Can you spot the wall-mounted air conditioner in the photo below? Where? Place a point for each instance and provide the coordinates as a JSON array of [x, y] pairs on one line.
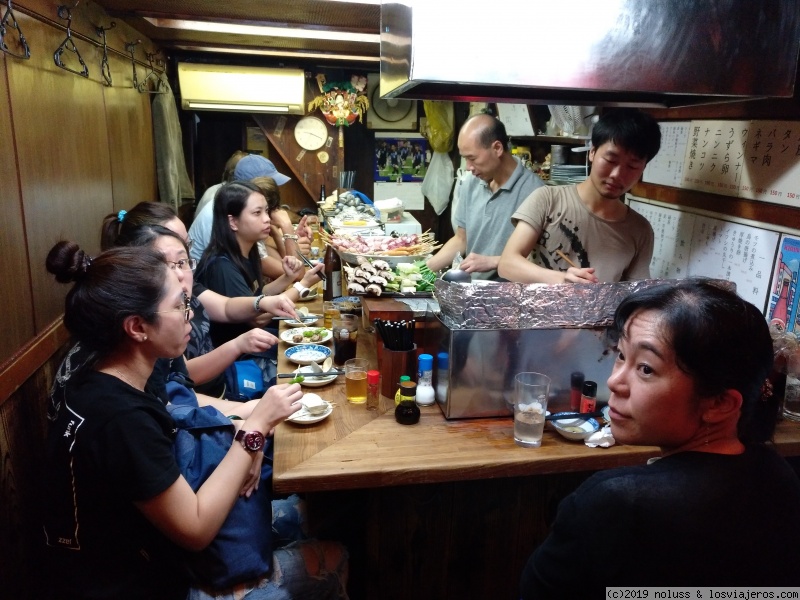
[[245, 89]]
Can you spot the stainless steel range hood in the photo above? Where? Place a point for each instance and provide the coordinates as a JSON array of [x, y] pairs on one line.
[[596, 52]]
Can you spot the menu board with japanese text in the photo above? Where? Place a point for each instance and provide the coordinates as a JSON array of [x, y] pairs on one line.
[[715, 156], [688, 244], [756, 160], [666, 168], [772, 163]]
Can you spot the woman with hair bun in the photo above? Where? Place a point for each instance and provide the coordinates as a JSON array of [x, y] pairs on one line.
[[118, 512], [719, 507]]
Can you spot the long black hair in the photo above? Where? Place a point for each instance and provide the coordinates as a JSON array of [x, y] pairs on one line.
[[231, 200]]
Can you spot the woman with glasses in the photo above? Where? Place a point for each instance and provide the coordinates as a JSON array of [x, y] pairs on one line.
[[118, 509], [151, 224], [231, 264]]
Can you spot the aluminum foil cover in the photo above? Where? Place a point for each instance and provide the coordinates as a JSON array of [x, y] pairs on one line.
[[493, 305]]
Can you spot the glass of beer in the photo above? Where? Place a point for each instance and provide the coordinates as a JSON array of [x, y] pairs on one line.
[[345, 338], [329, 312], [355, 380]]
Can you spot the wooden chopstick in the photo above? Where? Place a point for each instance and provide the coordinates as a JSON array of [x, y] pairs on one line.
[[311, 265], [566, 258]]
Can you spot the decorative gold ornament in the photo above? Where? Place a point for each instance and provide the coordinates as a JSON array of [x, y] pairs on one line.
[[341, 103]]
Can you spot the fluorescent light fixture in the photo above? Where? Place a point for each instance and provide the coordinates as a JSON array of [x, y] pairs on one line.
[[282, 53], [237, 107], [265, 30]]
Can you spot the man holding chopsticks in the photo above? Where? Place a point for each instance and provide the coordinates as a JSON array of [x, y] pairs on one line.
[[585, 233]]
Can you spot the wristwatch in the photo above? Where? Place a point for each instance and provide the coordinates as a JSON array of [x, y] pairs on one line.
[[290, 236], [252, 441], [301, 289]]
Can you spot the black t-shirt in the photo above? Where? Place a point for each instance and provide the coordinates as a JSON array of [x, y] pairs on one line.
[[219, 274], [108, 446], [689, 519]]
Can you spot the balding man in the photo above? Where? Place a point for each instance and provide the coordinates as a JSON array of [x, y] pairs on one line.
[[496, 186]]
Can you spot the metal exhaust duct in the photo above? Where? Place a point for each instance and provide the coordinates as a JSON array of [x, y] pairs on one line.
[[656, 53]]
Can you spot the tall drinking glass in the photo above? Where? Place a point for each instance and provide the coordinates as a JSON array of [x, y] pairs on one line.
[[330, 311], [530, 405], [355, 380], [345, 338]]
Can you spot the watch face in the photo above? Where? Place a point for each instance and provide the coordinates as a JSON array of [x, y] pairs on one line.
[[311, 133], [251, 440]]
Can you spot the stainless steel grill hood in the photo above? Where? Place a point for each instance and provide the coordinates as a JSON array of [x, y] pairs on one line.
[[596, 52]]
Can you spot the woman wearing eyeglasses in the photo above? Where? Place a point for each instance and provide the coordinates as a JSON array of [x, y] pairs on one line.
[[156, 224], [118, 508]]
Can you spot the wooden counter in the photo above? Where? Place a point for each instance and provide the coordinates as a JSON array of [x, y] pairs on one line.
[[441, 509], [357, 448]]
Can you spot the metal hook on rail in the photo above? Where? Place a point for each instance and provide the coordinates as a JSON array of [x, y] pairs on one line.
[[105, 70], [10, 21]]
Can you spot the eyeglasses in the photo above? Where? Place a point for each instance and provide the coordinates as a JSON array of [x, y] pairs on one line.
[[186, 308], [185, 264]]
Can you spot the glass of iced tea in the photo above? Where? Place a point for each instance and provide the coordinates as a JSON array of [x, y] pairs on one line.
[[355, 380], [345, 338], [329, 312]]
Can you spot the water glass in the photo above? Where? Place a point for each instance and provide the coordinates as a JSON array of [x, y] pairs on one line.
[[791, 398], [355, 380], [530, 407]]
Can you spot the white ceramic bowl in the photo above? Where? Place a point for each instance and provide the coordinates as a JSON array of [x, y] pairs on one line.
[[305, 354], [575, 430]]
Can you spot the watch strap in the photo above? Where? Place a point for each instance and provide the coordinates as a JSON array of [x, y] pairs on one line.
[[301, 289]]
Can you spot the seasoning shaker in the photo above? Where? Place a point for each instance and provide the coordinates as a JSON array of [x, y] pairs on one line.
[[589, 397], [373, 390]]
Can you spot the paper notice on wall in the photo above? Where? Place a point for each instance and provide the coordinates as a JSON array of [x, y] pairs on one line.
[[783, 301], [772, 163], [715, 156], [666, 168], [688, 244]]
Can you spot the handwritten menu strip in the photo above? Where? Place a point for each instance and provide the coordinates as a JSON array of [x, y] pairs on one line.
[[757, 160], [783, 301], [688, 244], [772, 163], [715, 156], [666, 168]]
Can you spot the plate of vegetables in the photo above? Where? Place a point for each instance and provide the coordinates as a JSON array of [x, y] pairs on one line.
[[306, 335]]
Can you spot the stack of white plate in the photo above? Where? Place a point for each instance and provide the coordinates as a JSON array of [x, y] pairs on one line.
[[567, 173]]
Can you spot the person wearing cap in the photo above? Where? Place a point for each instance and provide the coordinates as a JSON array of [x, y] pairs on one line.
[[247, 168]]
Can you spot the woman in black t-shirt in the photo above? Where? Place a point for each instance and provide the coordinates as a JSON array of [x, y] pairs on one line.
[[117, 506]]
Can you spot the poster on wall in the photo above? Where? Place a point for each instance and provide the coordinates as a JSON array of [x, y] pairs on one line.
[[400, 163], [783, 300]]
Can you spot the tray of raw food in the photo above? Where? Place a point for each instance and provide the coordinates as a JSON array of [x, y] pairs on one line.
[[378, 278], [406, 248]]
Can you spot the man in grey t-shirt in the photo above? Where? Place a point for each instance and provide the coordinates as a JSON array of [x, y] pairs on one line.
[[496, 186]]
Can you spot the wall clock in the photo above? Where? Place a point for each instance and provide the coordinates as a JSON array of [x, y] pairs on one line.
[[311, 133]]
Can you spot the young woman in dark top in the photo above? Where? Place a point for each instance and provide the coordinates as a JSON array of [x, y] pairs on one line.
[[151, 224], [719, 507], [118, 505], [231, 265]]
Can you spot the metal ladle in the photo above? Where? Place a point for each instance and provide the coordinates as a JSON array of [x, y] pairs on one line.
[[457, 276]]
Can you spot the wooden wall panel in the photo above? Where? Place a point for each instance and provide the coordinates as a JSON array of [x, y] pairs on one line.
[[130, 138], [63, 154], [15, 293]]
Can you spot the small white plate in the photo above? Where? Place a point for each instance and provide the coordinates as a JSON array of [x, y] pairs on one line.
[[305, 354], [287, 335], [306, 419], [304, 323], [313, 382]]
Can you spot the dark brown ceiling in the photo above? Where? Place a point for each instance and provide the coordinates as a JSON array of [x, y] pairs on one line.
[[319, 14]]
